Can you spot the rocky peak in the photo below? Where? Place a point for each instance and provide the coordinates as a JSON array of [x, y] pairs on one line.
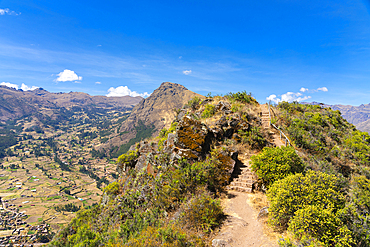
[[158, 108]]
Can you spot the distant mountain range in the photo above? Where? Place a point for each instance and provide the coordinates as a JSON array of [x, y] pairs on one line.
[[47, 110], [17, 103], [357, 115]]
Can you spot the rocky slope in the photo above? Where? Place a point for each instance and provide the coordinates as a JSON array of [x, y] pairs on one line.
[[169, 185], [157, 111], [17, 103]]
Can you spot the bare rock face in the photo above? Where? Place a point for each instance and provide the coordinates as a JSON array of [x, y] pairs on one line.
[[228, 158], [158, 108], [192, 138]]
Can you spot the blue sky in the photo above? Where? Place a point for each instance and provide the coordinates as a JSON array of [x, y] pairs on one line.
[[280, 50]]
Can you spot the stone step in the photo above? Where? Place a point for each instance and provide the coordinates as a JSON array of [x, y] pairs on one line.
[[236, 183], [241, 184], [248, 173], [247, 181], [241, 189], [249, 176]]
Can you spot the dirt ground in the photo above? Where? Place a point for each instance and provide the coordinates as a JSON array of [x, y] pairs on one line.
[[242, 228]]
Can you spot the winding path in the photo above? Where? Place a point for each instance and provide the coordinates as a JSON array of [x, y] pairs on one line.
[[241, 227]]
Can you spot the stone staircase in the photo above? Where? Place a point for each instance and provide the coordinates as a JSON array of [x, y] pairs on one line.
[[265, 117], [244, 182]]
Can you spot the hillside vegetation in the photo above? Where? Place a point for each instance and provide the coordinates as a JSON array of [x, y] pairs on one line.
[[169, 189]]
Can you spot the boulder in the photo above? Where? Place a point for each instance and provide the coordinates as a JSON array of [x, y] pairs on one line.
[[206, 101], [228, 158], [223, 106], [220, 243], [193, 135]]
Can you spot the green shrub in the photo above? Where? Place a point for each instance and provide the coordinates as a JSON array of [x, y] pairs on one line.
[[253, 137], [163, 134], [167, 236], [243, 97], [85, 237], [235, 107], [358, 145], [276, 163], [356, 213], [112, 188], [194, 103], [209, 111], [213, 173], [305, 242], [127, 160], [298, 191], [204, 212], [321, 223]]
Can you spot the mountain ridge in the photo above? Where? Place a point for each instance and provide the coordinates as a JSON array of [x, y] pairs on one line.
[[18, 103]]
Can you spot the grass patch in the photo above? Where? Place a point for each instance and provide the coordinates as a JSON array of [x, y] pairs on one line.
[[53, 197]]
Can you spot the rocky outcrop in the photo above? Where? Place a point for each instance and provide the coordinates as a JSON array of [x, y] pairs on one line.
[[192, 138]]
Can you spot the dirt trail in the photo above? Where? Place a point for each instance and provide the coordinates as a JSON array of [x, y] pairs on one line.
[[241, 228]]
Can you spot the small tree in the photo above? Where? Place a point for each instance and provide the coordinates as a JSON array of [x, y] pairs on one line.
[[127, 160], [298, 191], [276, 163], [321, 224]]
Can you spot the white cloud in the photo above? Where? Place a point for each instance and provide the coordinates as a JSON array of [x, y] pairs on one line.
[[24, 87], [8, 84], [68, 75], [8, 12], [324, 89], [98, 82], [273, 98], [288, 97], [187, 72], [180, 57], [124, 91]]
